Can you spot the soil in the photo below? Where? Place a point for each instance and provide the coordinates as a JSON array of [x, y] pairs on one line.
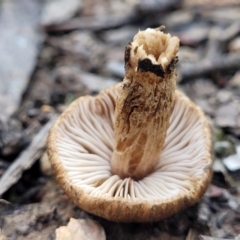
[[80, 51]]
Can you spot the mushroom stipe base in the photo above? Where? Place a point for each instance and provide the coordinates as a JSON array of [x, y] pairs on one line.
[[179, 180]]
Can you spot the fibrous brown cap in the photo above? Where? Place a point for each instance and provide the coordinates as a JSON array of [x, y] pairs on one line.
[[80, 147]]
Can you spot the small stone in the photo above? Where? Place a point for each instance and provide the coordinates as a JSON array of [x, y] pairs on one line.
[[33, 112], [212, 101], [226, 115], [187, 54], [204, 88], [206, 107], [235, 80], [57, 11], [96, 83], [232, 162], [176, 18], [193, 34], [224, 96], [233, 204], [116, 68], [120, 35], [47, 108], [13, 142], [204, 214], [22, 228]]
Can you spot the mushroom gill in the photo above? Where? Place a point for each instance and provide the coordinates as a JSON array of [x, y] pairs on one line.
[[85, 144]]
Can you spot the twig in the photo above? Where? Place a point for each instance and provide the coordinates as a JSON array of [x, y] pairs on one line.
[[230, 32], [93, 23], [201, 237], [192, 234], [26, 159], [205, 66], [214, 60], [131, 15], [151, 6]]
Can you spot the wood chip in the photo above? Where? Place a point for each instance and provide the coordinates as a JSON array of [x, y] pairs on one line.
[[192, 235], [209, 3], [84, 229], [206, 66], [24, 222], [96, 83], [26, 159], [19, 46], [212, 238], [94, 23], [57, 11]]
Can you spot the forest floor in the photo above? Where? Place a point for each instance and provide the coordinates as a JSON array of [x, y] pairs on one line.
[[53, 52]]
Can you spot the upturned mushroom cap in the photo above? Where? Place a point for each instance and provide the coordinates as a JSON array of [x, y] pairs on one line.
[[80, 147], [143, 179]]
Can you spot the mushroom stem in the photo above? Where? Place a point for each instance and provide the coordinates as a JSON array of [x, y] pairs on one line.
[[144, 104]]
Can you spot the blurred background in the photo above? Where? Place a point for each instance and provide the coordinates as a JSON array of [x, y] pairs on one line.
[[54, 51]]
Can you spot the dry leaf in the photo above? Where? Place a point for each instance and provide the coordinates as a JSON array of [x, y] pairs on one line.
[[84, 229]]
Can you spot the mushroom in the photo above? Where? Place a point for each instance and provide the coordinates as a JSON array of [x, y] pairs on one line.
[[139, 151]]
